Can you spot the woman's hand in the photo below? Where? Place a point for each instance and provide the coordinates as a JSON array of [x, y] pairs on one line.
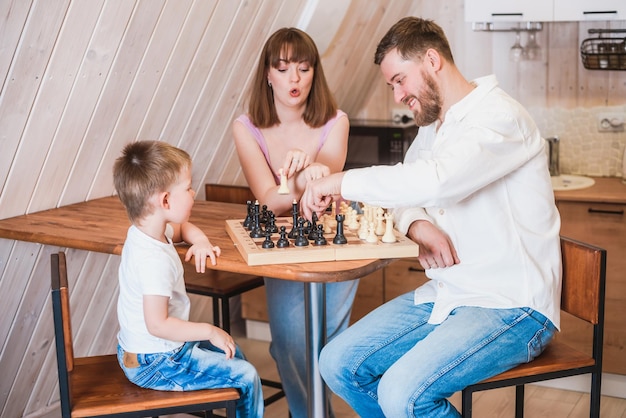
[[296, 160], [313, 172]]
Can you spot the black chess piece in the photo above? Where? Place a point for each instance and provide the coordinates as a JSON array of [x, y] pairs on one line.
[[319, 239], [312, 231], [294, 224], [268, 243], [271, 222], [248, 221], [282, 242], [340, 238], [301, 239], [255, 228]]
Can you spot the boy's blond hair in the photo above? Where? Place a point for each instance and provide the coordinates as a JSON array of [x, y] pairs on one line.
[[146, 168]]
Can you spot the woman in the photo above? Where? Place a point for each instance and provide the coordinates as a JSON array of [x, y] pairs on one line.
[[292, 125]]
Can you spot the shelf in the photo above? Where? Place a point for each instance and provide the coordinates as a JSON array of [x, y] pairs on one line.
[[604, 53]]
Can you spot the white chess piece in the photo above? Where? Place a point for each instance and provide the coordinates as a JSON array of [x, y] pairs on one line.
[[327, 226], [354, 223], [363, 228], [389, 236], [380, 227], [371, 234], [283, 189]]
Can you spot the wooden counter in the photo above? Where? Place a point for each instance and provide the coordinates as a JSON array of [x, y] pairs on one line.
[[605, 190]]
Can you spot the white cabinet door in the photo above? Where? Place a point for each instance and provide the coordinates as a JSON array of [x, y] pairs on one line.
[[509, 10], [575, 10]]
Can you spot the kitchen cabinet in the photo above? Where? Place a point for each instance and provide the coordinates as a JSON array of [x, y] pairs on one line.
[[544, 10], [580, 10], [509, 11], [602, 222]]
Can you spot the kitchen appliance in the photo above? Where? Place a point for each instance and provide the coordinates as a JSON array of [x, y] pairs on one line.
[[378, 142]]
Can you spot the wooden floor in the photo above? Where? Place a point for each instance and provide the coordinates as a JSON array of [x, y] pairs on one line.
[[497, 403]]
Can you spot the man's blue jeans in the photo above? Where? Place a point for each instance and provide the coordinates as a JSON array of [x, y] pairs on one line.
[[198, 365], [285, 306], [393, 363]]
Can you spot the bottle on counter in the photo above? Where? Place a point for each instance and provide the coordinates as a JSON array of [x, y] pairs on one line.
[[624, 166]]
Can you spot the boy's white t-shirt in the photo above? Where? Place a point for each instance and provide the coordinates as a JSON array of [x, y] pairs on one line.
[[148, 267]]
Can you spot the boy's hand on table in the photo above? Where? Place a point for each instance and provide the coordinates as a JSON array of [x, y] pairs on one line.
[[200, 252]]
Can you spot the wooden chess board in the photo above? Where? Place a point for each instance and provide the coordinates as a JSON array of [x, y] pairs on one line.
[[355, 249]]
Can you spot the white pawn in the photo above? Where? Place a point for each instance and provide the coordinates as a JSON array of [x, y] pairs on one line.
[[283, 189], [380, 227], [363, 228], [354, 223], [326, 221], [371, 234], [389, 236]]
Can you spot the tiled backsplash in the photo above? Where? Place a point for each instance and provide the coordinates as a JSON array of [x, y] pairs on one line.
[[583, 150]]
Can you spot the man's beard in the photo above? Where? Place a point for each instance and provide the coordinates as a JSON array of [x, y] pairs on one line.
[[430, 103]]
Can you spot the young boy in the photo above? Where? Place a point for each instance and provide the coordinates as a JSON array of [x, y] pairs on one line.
[[158, 347]]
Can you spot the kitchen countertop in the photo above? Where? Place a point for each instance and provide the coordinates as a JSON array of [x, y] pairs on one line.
[[605, 190]]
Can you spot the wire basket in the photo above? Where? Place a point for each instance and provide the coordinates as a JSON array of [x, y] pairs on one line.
[[604, 53]]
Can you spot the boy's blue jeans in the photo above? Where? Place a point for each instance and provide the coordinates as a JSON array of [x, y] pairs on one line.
[[198, 365], [393, 363]]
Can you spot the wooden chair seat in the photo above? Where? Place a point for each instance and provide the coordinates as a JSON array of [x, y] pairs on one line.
[[582, 295], [557, 357], [99, 387], [96, 385]]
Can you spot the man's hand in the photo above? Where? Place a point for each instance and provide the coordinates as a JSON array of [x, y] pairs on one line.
[[319, 193], [436, 249]]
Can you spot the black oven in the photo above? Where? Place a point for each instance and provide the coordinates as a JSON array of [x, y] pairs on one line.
[[378, 142]]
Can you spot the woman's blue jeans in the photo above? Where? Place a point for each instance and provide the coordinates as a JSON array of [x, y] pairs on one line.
[[199, 365], [285, 305], [393, 363]]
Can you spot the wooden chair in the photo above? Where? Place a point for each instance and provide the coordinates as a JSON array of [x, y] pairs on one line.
[[584, 276], [221, 285], [97, 386]]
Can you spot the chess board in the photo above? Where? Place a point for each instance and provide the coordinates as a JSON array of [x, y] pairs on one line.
[[355, 249]]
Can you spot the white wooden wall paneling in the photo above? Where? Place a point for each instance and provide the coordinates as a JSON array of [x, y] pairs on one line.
[[91, 291], [25, 75], [58, 78], [563, 84], [179, 68], [187, 117], [152, 63], [13, 14], [117, 88], [20, 360], [96, 60], [12, 290]]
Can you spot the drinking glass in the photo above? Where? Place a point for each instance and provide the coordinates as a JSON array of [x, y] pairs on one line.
[[517, 50]]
